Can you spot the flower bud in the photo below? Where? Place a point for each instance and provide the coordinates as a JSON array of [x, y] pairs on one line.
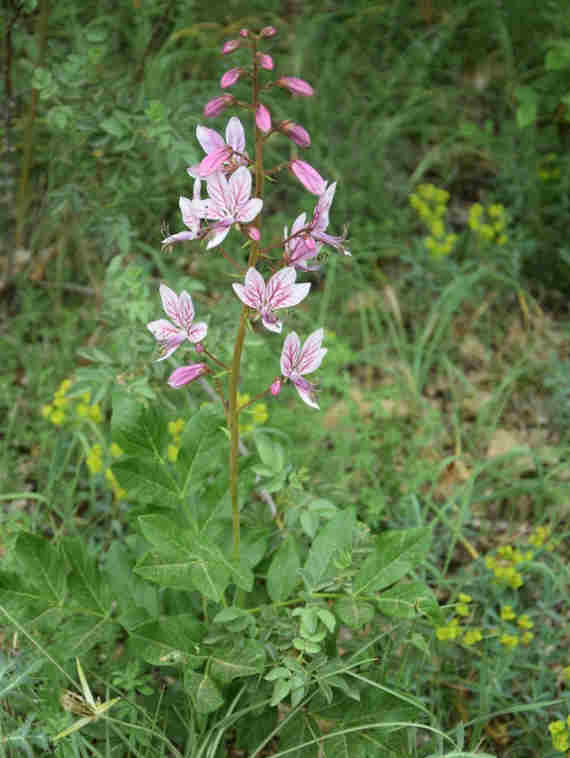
[[230, 46], [263, 119], [275, 388], [265, 61], [296, 86], [217, 105], [253, 233], [199, 347], [185, 374], [268, 31], [308, 176], [244, 33], [296, 133], [230, 77]]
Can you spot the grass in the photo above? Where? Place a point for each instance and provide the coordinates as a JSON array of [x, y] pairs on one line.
[[444, 392]]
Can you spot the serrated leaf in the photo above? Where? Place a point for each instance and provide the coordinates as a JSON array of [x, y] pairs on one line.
[[169, 640], [140, 431], [41, 564], [354, 612], [335, 537], [148, 482], [203, 691], [282, 576], [245, 659], [407, 600], [395, 553], [86, 589], [200, 444]]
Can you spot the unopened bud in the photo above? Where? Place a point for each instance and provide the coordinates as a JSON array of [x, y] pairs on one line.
[[230, 46], [217, 105], [275, 388], [268, 31], [253, 233], [263, 119], [199, 347], [296, 133], [296, 86], [230, 77], [244, 32], [308, 176], [265, 61]]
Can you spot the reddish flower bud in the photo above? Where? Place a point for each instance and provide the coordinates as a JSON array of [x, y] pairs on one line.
[[185, 374], [263, 119], [230, 77], [253, 233], [199, 347], [296, 133], [244, 32], [275, 388], [217, 105], [265, 61], [230, 46], [308, 176], [268, 31], [296, 86]]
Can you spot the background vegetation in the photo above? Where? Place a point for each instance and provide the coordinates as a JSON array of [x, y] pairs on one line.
[[446, 389]]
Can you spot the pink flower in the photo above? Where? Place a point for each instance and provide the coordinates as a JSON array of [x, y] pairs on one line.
[[296, 86], [297, 361], [308, 176], [296, 133], [275, 388], [229, 203], [230, 77], [263, 119], [181, 312], [217, 105], [279, 292], [191, 214], [268, 31], [221, 155], [230, 46], [244, 32], [265, 61], [300, 246], [181, 376], [321, 221]]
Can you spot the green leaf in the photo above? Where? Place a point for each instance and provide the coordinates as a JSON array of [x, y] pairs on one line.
[[113, 126], [354, 612], [335, 538], [203, 691], [558, 57], [148, 482], [42, 565], [270, 451], [395, 553], [184, 560], [528, 106], [244, 659], [405, 601], [201, 441], [282, 576], [140, 431], [86, 590], [168, 640]]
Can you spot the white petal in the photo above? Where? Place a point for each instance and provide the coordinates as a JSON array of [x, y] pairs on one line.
[[250, 210], [209, 139], [170, 303], [312, 353], [290, 353], [235, 135], [185, 311]]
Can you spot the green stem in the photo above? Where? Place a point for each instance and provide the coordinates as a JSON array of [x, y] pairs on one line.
[[240, 337]]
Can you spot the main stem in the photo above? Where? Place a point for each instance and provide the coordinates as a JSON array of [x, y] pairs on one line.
[[240, 337]]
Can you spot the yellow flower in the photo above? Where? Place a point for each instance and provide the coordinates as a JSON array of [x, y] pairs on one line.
[[462, 609], [507, 613], [94, 459], [175, 428], [242, 399], [259, 413], [46, 411], [437, 228], [116, 450], [63, 387], [82, 410], [95, 414], [118, 492], [472, 636], [86, 397], [559, 735], [465, 598], [509, 640], [60, 402], [57, 417], [527, 638], [566, 676], [524, 622], [172, 453], [496, 210]]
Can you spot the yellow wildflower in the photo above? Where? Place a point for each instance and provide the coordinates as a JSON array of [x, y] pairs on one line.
[[472, 636], [527, 638], [172, 453], [46, 411], [57, 417], [94, 459], [95, 414], [509, 640], [259, 413], [465, 598], [175, 428], [507, 613], [524, 622], [116, 450]]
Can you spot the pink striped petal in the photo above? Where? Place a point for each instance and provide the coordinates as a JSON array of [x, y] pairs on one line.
[[230, 77], [235, 135], [209, 139], [263, 119], [312, 353], [214, 161], [296, 86], [185, 311], [185, 374], [308, 176]]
